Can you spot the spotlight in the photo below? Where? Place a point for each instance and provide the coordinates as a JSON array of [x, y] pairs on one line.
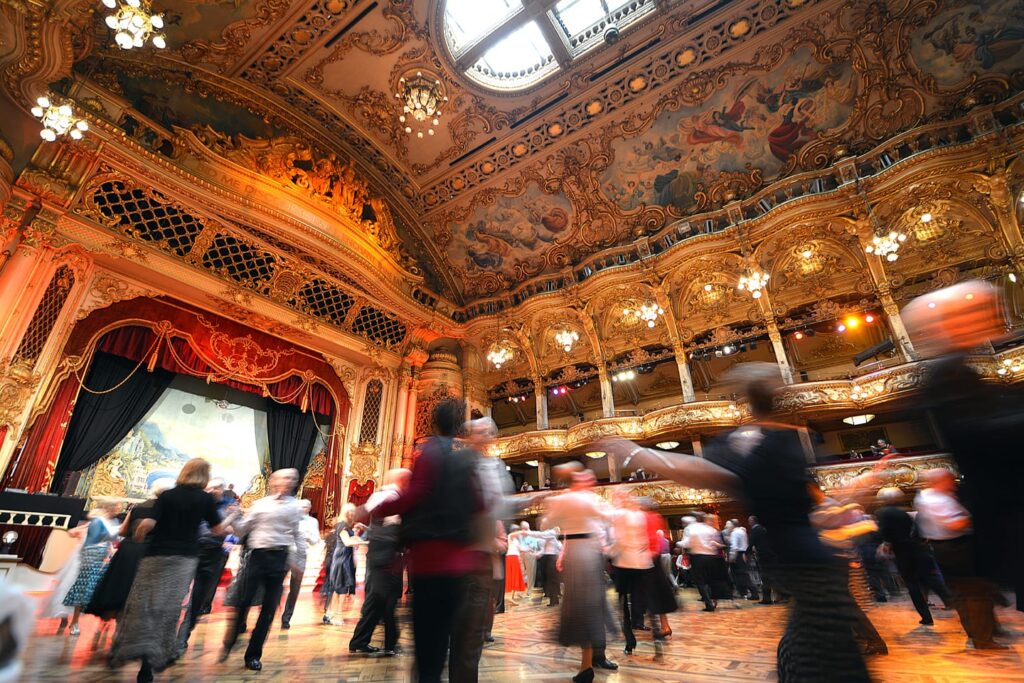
[[926, 218], [840, 328], [798, 335], [1013, 277], [852, 322], [869, 318]]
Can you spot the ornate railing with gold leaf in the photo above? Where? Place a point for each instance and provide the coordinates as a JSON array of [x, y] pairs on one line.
[[905, 472], [807, 399]]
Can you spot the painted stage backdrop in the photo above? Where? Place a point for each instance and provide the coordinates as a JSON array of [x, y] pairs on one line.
[[182, 426]]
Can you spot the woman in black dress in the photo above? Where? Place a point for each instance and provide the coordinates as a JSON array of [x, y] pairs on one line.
[[763, 463], [112, 592]]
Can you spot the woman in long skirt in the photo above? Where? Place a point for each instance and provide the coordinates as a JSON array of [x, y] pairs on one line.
[[585, 618], [99, 534], [147, 630], [515, 582]]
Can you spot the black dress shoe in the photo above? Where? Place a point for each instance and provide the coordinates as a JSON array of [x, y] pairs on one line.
[[627, 651], [365, 649], [254, 665], [606, 664], [285, 625], [708, 609], [488, 638]]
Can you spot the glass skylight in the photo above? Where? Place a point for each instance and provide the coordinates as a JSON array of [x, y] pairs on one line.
[[502, 45]]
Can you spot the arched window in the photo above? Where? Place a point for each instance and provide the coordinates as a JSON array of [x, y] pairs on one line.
[[372, 400]]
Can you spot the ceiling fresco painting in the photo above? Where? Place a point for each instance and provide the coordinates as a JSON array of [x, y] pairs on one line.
[[507, 235], [688, 114], [762, 123]]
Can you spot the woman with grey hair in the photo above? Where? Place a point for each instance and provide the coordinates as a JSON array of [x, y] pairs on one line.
[[763, 463]]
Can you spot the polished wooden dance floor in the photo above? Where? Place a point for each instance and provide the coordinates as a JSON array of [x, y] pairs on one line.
[[732, 644]]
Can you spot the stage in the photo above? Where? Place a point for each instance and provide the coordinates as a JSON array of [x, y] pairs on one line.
[[732, 644]]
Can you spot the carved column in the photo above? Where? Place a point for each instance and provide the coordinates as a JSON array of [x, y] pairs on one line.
[[807, 444], [541, 396], [685, 378], [698, 447], [23, 280], [614, 474], [402, 405], [607, 398], [780, 352], [543, 471], [6, 172], [900, 336], [410, 420]]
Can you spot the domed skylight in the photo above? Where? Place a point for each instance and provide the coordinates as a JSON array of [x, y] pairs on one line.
[[505, 45]]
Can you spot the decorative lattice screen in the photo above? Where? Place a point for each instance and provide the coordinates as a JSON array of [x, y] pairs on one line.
[[146, 216], [379, 327], [321, 300], [45, 317], [371, 411]]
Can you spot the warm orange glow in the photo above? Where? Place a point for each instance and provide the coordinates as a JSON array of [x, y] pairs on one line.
[[852, 322], [799, 335]]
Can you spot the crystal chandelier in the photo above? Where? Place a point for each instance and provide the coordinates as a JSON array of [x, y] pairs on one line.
[[566, 338], [133, 24], [754, 281], [886, 246], [498, 356], [58, 119], [647, 313], [421, 100]]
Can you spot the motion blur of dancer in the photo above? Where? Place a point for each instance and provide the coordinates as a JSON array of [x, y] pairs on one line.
[[384, 570], [99, 534], [147, 630], [585, 618], [763, 463], [439, 510], [272, 527], [983, 425]]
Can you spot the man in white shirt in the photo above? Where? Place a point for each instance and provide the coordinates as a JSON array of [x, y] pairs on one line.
[[272, 528], [631, 559], [309, 529], [547, 572], [704, 543], [947, 525], [739, 548]]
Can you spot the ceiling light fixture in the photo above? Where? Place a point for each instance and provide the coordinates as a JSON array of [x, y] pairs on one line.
[[134, 23], [422, 99], [532, 463], [566, 338], [754, 281], [498, 356], [1010, 365], [883, 244], [58, 119], [624, 376], [667, 445], [647, 313], [858, 420]]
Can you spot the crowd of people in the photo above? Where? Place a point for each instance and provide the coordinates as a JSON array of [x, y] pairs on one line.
[[446, 524]]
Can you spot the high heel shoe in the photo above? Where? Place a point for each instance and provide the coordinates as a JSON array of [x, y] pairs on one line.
[[586, 676]]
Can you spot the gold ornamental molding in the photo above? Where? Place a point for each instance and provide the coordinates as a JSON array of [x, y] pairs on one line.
[[802, 401], [907, 473]]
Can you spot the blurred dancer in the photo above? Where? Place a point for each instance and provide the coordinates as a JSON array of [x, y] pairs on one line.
[[515, 581], [384, 568], [341, 579], [585, 618], [703, 542], [147, 630], [310, 532], [550, 551], [631, 558], [947, 526], [99, 534], [912, 556], [764, 463], [739, 549], [529, 550], [211, 563], [112, 592], [764, 556], [272, 528], [16, 620], [661, 597], [981, 422], [439, 510]]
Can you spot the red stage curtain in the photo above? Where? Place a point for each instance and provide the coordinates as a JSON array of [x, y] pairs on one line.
[[34, 465], [358, 493]]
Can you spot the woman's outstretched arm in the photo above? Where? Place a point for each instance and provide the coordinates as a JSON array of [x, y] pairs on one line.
[[679, 467]]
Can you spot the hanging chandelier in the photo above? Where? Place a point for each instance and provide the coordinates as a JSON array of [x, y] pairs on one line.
[[134, 23], [886, 246], [498, 356], [566, 338], [58, 119], [754, 281], [422, 99], [647, 313]]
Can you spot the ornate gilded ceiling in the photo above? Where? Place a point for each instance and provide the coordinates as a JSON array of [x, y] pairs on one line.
[[698, 105]]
